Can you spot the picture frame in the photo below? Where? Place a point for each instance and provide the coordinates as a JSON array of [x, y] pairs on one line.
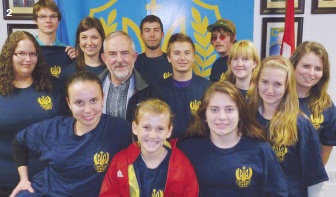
[[31, 28], [279, 6], [270, 31], [323, 7], [18, 10]]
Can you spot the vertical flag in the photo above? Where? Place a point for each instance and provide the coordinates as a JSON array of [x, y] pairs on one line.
[[288, 42]]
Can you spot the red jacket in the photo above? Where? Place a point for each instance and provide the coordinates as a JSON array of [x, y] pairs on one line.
[[181, 177]]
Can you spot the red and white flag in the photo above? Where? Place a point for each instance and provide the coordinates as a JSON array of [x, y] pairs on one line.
[[288, 42]]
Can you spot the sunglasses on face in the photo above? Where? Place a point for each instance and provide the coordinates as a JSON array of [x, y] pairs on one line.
[[214, 37]]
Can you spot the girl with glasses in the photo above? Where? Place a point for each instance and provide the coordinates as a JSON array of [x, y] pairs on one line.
[[28, 94]]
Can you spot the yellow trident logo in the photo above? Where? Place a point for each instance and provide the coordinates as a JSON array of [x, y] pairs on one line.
[[158, 193], [317, 121], [243, 177], [55, 71], [194, 105], [45, 102], [222, 77], [166, 75], [280, 152], [101, 161]]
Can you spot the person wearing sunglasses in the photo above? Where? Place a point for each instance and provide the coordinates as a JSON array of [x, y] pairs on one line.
[[223, 36], [47, 17]]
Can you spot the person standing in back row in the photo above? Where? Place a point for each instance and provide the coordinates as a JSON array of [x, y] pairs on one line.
[[312, 74], [223, 36], [89, 46], [153, 63], [124, 88], [47, 17], [184, 89]]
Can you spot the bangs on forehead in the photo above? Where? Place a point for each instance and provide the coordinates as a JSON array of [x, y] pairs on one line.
[[239, 50]]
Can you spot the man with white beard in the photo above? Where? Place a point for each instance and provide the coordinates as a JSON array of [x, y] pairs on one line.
[[123, 86]]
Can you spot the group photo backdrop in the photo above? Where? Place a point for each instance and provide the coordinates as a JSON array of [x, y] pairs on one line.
[[187, 16]]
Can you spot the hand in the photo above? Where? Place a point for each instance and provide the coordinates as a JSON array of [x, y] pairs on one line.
[[71, 52], [23, 185]]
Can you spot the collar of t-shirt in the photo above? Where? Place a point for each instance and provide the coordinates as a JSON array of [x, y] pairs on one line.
[[181, 84], [56, 43]]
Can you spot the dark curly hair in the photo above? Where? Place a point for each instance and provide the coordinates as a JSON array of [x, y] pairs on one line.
[[41, 77]]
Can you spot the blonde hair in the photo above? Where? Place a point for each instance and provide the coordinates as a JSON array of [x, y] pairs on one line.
[[318, 99], [155, 106], [247, 50], [283, 125]]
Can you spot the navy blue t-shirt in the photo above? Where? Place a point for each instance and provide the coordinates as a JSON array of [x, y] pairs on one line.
[[218, 69], [22, 108], [71, 69], [56, 59], [249, 169], [76, 165], [184, 101], [302, 162], [151, 181], [325, 125], [153, 69]]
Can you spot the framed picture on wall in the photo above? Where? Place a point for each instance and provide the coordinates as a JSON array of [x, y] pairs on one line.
[[323, 7], [18, 9], [272, 34], [31, 28], [279, 6]]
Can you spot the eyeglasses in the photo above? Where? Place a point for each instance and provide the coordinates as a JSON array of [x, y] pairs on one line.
[[220, 36], [44, 17], [22, 55]]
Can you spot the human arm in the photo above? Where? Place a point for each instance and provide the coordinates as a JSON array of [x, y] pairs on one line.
[[325, 151], [274, 183], [71, 52], [21, 154], [24, 183], [316, 190], [110, 186], [312, 168], [191, 189]]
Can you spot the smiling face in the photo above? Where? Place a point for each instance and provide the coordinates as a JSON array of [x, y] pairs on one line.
[[48, 25], [119, 57], [308, 71], [90, 42], [222, 116], [181, 57], [23, 67], [152, 35], [85, 101], [242, 67], [272, 86], [152, 131]]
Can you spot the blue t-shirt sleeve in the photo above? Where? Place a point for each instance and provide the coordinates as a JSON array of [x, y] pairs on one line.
[[310, 153], [32, 137], [328, 133], [274, 183]]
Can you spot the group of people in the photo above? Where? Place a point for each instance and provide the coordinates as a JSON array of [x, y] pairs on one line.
[[115, 123]]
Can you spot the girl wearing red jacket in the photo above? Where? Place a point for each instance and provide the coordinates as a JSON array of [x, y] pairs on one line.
[[152, 166]]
